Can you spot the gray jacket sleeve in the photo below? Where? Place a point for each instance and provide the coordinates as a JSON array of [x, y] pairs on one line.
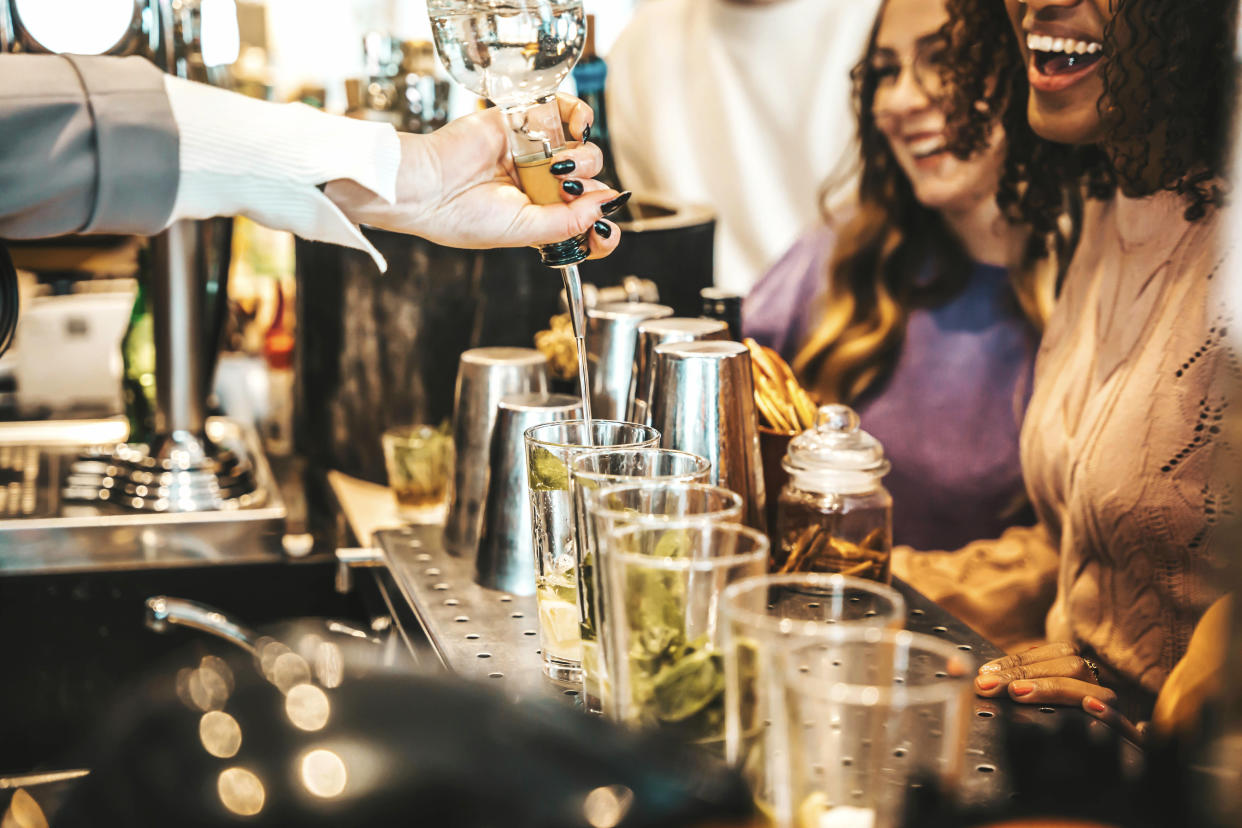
[[87, 145]]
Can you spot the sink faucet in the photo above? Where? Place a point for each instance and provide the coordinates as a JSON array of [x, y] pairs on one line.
[[162, 611]]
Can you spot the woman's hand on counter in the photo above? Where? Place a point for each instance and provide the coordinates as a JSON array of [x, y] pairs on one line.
[[1113, 718], [1050, 674], [457, 187]]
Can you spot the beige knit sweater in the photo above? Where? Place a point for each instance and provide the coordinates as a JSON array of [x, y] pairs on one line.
[[1123, 455]]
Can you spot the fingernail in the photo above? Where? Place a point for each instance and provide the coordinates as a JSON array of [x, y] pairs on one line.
[[603, 229], [1020, 688], [572, 187], [586, 134], [987, 682], [562, 167], [610, 207], [1095, 705]]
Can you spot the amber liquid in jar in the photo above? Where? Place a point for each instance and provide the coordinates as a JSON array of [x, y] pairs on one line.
[[850, 534]]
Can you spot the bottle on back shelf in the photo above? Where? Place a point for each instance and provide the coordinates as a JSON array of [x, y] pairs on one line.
[[725, 306], [278, 342], [138, 359], [591, 74]]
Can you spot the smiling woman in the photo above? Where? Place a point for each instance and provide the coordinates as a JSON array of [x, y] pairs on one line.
[[1123, 450], [920, 295], [1144, 108]]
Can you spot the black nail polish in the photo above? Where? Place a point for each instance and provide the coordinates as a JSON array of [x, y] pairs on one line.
[[586, 133], [610, 207], [572, 187], [562, 167], [603, 229]]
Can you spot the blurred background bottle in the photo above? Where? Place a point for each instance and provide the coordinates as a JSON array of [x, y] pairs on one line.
[[724, 305], [138, 358], [591, 76]]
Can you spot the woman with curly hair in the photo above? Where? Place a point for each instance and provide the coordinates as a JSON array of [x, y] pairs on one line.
[[1122, 447], [918, 297]]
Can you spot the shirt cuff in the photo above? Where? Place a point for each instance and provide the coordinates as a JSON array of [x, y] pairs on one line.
[[242, 156]]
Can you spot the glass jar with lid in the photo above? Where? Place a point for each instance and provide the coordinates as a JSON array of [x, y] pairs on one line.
[[834, 514]]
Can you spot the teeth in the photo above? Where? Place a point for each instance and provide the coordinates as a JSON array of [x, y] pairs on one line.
[[926, 146], [1066, 45]]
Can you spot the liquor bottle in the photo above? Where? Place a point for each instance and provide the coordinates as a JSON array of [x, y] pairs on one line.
[[278, 343], [591, 75], [138, 359], [725, 306]]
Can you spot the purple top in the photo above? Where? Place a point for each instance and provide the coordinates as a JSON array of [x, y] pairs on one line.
[[950, 412]]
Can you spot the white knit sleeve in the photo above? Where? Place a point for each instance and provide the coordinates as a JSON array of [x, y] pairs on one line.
[[241, 156]]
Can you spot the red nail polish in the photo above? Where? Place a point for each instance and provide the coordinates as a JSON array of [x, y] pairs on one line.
[[986, 682], [1019, 688], [1096, 706]]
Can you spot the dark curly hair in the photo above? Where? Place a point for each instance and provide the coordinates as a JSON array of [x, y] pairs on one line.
[[892, 255], [1169, 84]]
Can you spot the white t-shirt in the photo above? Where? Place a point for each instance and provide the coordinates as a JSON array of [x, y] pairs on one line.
[[743, 107]]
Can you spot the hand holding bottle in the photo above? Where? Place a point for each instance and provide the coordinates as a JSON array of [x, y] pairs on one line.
[[458, 187]]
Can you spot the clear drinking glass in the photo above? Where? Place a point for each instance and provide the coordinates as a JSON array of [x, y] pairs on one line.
[[664, 580], [592, 472], [647, 502], [864, 711], [763, 617], [419, 460], [549, 450]]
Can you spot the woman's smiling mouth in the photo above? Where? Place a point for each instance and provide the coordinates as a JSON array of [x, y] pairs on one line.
[[1060, 62]]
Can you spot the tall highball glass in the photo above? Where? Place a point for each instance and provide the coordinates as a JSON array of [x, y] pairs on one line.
[[664, 583], [592, 472], [764, 616], [550, 448], [866, 711]]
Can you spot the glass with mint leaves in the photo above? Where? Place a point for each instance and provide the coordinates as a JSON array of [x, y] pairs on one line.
[[664, 583], [549, 450], [660, 475]]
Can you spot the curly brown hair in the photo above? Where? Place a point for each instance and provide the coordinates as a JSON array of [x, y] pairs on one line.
[[892, 255], [1169, 83]]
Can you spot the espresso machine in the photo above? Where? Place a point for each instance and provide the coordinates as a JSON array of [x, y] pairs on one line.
[[73, 491]]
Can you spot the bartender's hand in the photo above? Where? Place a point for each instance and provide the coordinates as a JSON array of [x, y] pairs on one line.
[[457, 187], [1051, 674]]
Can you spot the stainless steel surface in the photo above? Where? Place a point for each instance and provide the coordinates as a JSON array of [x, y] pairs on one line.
[[655, 332], [349, 559], [703, 402], [476, 632], [489, 635], [163, 612], [612, 330], [181, 472], [142, 29], [484, 377], [177, 312], [54, 533], [506, 558]]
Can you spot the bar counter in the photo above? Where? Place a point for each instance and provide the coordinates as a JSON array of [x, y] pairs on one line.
[[491, 636]]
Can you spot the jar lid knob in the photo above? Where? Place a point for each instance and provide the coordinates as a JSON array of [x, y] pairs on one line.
[[836, 443], [836, 417]]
